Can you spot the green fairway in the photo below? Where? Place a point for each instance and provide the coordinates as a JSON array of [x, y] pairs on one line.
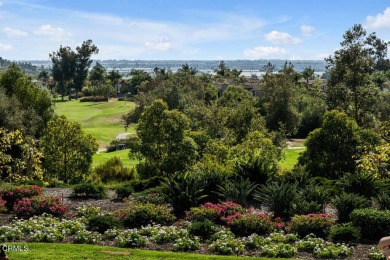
[[291, 158], [100, 119], [81, 251], [102, 157]]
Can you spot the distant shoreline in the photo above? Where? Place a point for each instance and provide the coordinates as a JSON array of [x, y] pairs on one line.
[[201, 65]]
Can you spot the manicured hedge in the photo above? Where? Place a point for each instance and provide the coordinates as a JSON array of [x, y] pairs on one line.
[[374, 224]]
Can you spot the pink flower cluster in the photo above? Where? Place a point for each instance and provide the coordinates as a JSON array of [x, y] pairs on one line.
[[13, 195], [28, 207]]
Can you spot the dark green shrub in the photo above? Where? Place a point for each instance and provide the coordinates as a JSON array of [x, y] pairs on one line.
[[247, 224], [360, 183], [152, 195], [203, 229], [344, 233], [317, 224], [374, 224], [279, 198], [239, 191], [382, 201], [101, 223], [140, 185], [113, 170], [124, 190], [256, 169], [183, 191], [89, 190], [212, 179], [345, 203], [137, 215]]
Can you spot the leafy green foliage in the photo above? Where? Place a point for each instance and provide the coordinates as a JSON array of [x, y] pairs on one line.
[[239, 190], [317, 224], [250, 223], [89, 190], [20, 159], [101, 223], [203, 229], [67, 150], [361, 183], [23, 105], [279, 198], [164, 143], [374, 224], [345, 203], [124, 190], [344, 233], [333, 148], [113, 170], [183, 191], [137, 215]]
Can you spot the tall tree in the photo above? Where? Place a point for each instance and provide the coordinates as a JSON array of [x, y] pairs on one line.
[[349, 87], [164, 145], [308, 73], [97, 75], [67, 150], [279, 99], [83, 62], [63, 68], [333, 149]]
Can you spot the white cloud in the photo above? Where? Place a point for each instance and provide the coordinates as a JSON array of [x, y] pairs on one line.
[[55, 34], [5, 47], [164, 44], [281, 38], [307, 30], [14, 32], [379, 21], [262, 52]]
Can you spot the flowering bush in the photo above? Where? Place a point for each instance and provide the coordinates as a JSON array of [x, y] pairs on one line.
[[88, 210], [278, 250], [168, 234], [38, 205], [330, 250], [255, 241], [87, 237], [309, 243], [130, 238], [249, 223], [214, 212], [202, 229], [3, 208], [16, 193], [186, 244], [375, 254], [8, 234], [280, 237], [227, 246], [317, 224]]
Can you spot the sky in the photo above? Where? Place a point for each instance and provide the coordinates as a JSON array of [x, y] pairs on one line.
[[187, 29]]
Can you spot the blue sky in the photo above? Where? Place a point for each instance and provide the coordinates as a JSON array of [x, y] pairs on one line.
[[186, 29]]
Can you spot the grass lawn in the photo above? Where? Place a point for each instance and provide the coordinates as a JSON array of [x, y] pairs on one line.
[[100, 119], [102, 157], [291, 158], [72, 251]]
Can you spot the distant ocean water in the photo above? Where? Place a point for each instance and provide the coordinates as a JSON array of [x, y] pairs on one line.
[[202, 65]]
